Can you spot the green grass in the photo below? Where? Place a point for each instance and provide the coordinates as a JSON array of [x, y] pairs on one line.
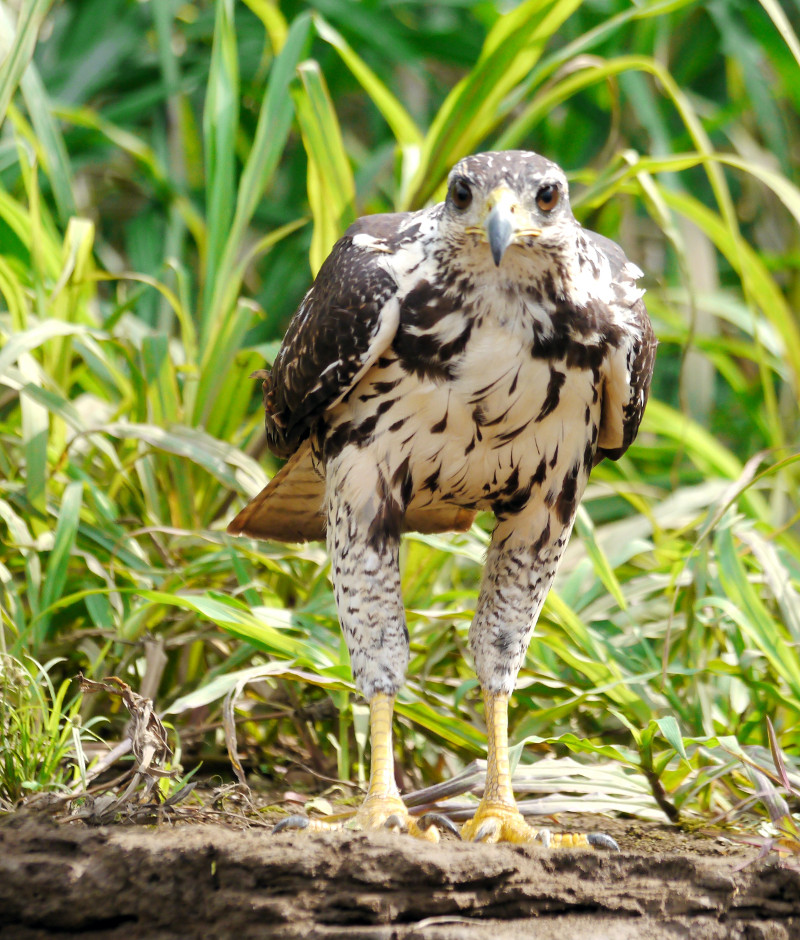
[[40, 731], [171, 175]]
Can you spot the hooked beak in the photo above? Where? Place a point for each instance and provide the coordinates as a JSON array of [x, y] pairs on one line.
[[500, 231], [504, 223]]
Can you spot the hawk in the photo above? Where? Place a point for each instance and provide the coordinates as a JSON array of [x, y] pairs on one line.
[[481, 354]]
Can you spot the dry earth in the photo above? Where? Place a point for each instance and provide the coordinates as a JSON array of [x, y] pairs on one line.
[[210, 881]]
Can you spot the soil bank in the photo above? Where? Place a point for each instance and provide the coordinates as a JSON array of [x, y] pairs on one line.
[[215, 881]]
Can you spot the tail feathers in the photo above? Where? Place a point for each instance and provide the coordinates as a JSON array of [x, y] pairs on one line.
[[290, 508], [440, 518]]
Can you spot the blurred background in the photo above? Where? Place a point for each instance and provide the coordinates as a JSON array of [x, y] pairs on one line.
[[172, 175]]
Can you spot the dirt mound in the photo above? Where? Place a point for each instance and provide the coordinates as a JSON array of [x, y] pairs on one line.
[[214, 881]]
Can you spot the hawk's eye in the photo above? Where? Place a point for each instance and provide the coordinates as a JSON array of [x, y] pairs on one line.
[[547, 198], [461, 194]]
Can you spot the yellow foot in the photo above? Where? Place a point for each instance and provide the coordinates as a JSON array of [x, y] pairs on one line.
[[390, 812], [377, 813], [498, 822], [380, 812]]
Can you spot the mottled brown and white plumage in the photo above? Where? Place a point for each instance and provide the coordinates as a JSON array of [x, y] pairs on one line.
[[484, 353]]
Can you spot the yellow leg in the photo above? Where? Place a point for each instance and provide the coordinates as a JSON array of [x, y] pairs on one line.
[[382, 806], [498, 769], [497, 818], [383, 798]]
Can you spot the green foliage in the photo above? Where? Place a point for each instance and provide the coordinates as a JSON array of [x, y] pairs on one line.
[[39, 729], [161, 214]]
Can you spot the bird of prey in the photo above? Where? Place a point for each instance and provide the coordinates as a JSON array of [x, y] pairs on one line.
[[481, 354]]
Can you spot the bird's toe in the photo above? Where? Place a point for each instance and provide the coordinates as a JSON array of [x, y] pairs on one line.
[[501, 823], [296, 821], [497, 823], [488, 831], [390, 813], [576, 840], [601, 841]]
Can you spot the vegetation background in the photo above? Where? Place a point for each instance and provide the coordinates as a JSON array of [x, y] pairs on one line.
[[173, 172]]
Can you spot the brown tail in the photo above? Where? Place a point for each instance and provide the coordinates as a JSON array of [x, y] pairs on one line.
[[290, 507], [441, 518]]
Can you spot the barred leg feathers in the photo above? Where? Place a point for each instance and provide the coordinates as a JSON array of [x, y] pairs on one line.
[[364, 543], [519, 570]]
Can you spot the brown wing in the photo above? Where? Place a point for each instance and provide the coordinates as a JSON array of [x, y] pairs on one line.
[[347, 319], [345, 322]]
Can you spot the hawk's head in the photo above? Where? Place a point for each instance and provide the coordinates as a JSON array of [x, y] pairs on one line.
[[510, 198]]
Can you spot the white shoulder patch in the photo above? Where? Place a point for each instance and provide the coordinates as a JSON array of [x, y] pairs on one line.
[[633, 270], [362, 240]]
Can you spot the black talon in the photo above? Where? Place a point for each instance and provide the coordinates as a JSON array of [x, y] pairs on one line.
[[486, 828], [295, 821], [437, 819], [396, 821], [602, 841]]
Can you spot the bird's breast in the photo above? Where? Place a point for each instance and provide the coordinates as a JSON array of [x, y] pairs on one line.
[[488, 425]]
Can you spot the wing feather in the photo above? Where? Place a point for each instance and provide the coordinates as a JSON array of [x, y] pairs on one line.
[[628, 369], [345, 322], [626, 386]]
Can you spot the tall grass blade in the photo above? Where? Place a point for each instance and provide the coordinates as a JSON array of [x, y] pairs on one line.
[[17, 42], [58, 562], [272, 130], [224, 317], [782, 23], [54, 151], [220, 126], [331, 187], [405, 131]]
